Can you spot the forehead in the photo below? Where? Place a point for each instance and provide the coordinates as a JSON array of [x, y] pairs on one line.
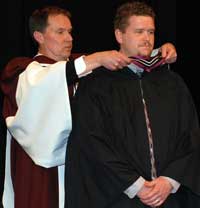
[[59, 21], [141, 21]]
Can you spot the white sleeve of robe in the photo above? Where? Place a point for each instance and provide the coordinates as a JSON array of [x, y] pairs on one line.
[[42, 122]]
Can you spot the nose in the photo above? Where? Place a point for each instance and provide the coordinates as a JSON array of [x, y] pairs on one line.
[[146, 35], [69, 37]]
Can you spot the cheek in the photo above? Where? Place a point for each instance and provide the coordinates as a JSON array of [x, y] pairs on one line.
[[51, 39], [55, 44], [131, 43], [152, 38]]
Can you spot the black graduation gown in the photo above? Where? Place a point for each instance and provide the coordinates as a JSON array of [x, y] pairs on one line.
[[108, 148]]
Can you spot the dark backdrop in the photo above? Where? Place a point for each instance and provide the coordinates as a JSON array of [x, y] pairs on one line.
[[92, 24], [92, 31]]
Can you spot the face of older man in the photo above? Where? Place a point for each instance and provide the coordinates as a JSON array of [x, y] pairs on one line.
[[56, 40]]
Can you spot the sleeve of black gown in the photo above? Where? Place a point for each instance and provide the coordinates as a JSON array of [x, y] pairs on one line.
[[71, 75], [185, 166], [97, 172]]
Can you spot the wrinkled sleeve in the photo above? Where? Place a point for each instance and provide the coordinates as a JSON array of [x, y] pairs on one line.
[[42, 122]]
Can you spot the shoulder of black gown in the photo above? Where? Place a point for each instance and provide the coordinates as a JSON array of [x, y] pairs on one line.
[[102, 78]]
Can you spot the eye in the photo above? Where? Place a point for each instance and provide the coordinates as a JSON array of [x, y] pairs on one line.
[[70, 32], [60, 31], [139, 31], [151, 32]]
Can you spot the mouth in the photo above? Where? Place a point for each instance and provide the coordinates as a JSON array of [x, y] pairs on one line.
[[145, 46], [68, 48]]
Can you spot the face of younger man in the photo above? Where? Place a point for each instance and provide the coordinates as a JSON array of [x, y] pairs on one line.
[[138, 37]]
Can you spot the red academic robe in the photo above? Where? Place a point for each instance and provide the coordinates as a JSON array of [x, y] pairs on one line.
[[34, 186]]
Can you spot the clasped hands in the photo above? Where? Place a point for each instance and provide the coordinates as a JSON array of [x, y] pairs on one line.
[[154, 193]]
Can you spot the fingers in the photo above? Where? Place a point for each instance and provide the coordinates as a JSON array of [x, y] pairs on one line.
[[149, 183], [169, 53], [170, 56], [170, 60], [159, 192], [144, 191], [119, 60], [154, 203]]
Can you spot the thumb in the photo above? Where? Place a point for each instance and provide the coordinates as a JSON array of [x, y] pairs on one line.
[[149, 184]]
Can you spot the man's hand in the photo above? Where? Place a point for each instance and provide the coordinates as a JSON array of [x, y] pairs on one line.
[[155, 192], [144, 190], [112, 60], [168, 52]]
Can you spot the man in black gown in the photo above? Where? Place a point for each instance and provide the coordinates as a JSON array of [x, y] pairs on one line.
[[135, 138]]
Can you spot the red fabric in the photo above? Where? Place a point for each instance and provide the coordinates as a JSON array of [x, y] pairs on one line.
[[34, 186], [148, 64]]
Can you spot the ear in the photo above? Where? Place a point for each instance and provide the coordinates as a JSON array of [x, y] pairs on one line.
[[38, 36], [118, 36]]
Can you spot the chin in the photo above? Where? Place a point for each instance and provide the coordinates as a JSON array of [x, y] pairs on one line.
[[67, 55], [145, 54]]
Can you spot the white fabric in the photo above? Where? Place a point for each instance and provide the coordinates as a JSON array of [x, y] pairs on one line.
[[132, 190], [80, 67], [42, 123], [43, 119], [155, 52], [61, 178], [8, 193]]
